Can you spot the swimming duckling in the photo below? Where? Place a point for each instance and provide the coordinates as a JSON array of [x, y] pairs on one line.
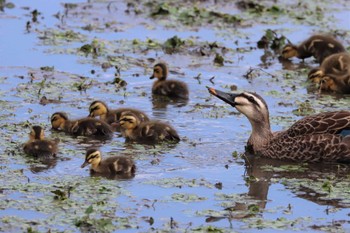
[[81, 127], [109, 166], [318, 46], [146, 132], [38, 146], [170, 88], [335, 65], [99, 108], [315, 138]]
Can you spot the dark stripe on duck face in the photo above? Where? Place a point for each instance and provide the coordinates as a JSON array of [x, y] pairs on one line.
[[58, 115], [92, 156], [94, 109], [160, 70], [253, 98]]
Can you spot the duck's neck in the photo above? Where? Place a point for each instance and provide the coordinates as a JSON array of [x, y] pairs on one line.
[[260, 136]]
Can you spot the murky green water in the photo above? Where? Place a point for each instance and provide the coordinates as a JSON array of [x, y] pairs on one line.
[[201, 184]]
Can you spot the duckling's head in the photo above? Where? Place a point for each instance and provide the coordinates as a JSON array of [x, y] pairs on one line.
[[37, 133], [160, 71], [315, 75], [327, 83], [93, 157], [98, 108], [58, 120], [289, 51], [129, 120], [252, 105]]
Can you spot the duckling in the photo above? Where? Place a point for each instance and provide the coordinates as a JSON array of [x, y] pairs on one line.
[[81, 127], [318, 46], [333, 83], [109, 166], [315, 138], [37, 146], [162, 86], [146, 132], [335, 65], [99, 108]]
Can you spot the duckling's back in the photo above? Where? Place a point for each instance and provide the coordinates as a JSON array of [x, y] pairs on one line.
[[92, 127], [171, 88], [156, 131], [41, 148]]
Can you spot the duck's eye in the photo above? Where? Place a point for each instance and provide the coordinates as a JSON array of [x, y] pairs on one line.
[[251, 99]]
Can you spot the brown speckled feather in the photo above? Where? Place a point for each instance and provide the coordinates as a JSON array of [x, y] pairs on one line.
[[311, 148], [322, 123]]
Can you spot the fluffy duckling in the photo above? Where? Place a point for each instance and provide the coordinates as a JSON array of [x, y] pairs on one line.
[[38, 146], [170, 88], [109, 166], [146, 132], [81, 127], [335, 65], [99, 108], [336, 84], [318, 46]]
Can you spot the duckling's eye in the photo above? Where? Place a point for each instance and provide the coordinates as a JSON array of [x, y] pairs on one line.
[[53, 119], [95, 108]]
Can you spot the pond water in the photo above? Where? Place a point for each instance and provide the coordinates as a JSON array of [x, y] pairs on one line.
[[202, 184]]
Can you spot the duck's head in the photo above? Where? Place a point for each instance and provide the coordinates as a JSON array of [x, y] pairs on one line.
[[58, 120], [289, 51], [315, 75], [36, 133], [98, 108], [250, 104], [129, 120], [93, 157], [327, 84], [160, 71]]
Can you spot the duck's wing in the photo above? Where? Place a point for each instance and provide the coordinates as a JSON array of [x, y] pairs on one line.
[[322, 123], [310, 148]]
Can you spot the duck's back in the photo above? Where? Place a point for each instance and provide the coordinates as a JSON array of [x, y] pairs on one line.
[[171, 88], [91, 127], [41, 148], [156, 131]]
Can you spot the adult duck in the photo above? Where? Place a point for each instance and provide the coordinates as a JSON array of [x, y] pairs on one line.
[[314, 138]]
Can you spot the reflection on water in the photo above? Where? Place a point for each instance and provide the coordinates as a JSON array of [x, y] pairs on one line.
[[262, 172], [160, 103], [122, 176], [43, 164]]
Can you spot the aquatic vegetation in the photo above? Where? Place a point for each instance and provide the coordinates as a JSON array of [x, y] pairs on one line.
[[73, 53]]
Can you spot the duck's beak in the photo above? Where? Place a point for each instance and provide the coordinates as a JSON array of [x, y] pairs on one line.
[[152, 77], [84, 164], [227, 97]]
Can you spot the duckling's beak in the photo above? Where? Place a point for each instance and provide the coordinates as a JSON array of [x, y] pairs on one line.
[[152, 77], [227, 97], [84, 164]]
